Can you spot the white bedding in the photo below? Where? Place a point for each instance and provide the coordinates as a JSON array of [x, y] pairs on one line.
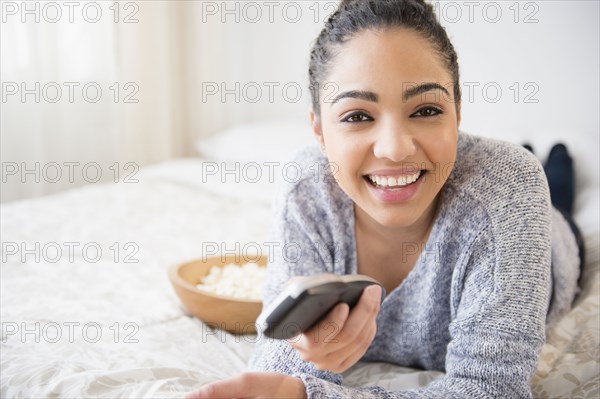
[[155, 350]]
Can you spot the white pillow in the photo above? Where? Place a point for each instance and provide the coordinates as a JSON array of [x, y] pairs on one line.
[[258, 142], [206, 176]]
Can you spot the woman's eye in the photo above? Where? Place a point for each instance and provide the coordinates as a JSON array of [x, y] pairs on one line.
[[357, 117], [427, 112]]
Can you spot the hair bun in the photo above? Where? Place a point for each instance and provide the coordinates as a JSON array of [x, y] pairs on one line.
[[353, 16]]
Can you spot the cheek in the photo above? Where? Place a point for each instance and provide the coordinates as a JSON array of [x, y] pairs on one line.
[[341, 148], [347, 161], [347, 158], [442, 148]]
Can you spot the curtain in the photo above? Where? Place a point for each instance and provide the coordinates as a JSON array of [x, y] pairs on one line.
[[96, 90], [116, 85]]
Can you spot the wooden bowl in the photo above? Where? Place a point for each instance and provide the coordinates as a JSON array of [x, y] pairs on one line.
[[231, 314]]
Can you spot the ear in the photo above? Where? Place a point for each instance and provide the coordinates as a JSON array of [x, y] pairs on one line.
[[458, 116], [315, 124]]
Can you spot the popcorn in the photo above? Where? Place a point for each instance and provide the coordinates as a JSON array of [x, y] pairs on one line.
[[240, 282]]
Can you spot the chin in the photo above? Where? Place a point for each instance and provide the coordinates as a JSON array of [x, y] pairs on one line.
[[396, 219]]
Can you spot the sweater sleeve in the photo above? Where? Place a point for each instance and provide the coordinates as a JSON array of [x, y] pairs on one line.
[[499, 301]]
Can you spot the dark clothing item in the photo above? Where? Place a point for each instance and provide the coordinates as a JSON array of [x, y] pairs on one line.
[[561, 180]]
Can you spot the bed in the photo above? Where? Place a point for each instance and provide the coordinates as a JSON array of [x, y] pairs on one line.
[[84, 325]]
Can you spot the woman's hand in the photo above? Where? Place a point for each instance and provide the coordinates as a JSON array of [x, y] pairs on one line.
[[341, 339], [253, 385]]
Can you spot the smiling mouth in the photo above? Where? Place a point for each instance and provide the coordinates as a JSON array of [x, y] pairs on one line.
[[393, 182]]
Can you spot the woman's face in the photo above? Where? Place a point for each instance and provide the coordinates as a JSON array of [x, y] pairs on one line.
[[387, 117]]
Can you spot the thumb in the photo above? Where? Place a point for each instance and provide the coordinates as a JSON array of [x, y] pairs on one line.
[[374, 293]]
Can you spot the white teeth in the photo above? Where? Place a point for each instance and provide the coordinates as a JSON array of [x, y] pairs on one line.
[[394, 181]]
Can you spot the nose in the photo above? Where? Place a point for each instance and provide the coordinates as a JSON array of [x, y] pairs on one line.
[[394, 143]]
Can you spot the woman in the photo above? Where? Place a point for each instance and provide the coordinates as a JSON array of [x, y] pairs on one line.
[[459, 229]]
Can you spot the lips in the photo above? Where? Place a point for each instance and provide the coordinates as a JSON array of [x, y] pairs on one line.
[[389, 191]]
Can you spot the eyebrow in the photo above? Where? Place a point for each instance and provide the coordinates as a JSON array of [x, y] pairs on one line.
[[413, 90], [422, 88], [359, 94]]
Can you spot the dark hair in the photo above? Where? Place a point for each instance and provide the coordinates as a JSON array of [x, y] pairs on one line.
[[354, 16]]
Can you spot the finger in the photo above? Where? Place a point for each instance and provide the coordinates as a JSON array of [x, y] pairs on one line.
[[362, 314], [326, 356], [310, 345], [345, 357], [336, 318], [362, 347], [316, 336], [228, 388], [253, 385]]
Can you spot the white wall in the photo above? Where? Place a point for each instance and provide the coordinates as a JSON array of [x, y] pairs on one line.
[[558, 56], [544, 52], [127, 53], [181, 48], [271, 52]]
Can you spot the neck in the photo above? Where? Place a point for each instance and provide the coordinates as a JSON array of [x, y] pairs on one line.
[[417, 232]]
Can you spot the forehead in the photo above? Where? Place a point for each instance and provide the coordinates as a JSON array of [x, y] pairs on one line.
[[388, 58]]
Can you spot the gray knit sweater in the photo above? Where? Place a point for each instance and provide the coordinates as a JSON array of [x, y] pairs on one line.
[[500, 265]]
